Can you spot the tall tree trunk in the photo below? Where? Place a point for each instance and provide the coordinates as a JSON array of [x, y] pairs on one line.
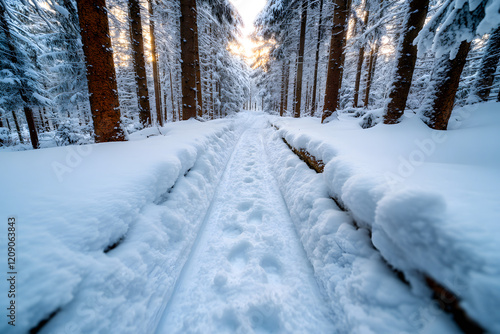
[[361, 58], [28, 112], [190, 59], [316, 60], [407, 56], [336, 57], [287, 84], [156, 71], [371, 70], [137, 42], [300, 60], [445, 79], [282, 100], [174, 109], [101, 76], [489, 64], [18, 128]]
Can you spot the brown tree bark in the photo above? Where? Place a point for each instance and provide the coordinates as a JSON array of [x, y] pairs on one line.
[[300, 60], [28, 112], [101, 76], [316, 59], [407, 56], [18, 128], [336, 57], [137, 42], [361, 58], [489, 64], [190, 59], [371, 70], [445, 79], [156, 71]]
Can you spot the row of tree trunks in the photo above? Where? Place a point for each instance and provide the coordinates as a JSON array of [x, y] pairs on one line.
[[28, 111], [300, 60], [316, 59], [406, 59], [489, 64], [336, 57], [372, 62], [361, 57]]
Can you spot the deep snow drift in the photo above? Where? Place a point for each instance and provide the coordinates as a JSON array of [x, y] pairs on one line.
[[431, 198], [215, 233]]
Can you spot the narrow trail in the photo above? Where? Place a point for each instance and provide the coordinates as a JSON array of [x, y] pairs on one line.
[[248, 271]]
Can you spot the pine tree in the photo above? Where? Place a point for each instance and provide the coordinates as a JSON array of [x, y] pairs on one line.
[[101, 74], [406, 59], [336, 57], [19, 79], [316, 59], [300, 60], [488, 66], [156, 71], [137, 42], [190, 58]]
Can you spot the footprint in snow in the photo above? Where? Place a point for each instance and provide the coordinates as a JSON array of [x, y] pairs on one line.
[[248, 180], [245, 206], [232, 230], [238, 255]]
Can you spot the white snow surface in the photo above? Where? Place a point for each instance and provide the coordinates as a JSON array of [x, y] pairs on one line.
[[224, 229], [431, 198], [110, 191]]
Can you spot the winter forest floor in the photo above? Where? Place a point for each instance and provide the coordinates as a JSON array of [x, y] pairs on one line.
[[213, 227]]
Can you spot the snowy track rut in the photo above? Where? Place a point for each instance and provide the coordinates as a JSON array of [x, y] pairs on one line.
[[248, 271]]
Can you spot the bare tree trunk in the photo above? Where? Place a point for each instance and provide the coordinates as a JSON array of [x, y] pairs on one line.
[[18, 128], [316, 60], [137, 42], [174, 109], [300, 60], [361, 58], [407, 56], [101, 76], [28, 112], [489, 64], [156, 72], [445, 79], [190, 59], [282, 101], [371, 70], [336, 57]]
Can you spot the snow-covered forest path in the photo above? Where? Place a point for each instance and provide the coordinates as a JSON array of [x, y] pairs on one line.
[[248, 271]]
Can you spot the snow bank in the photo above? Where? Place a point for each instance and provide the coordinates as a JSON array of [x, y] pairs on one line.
[[429, 197], [72, 203], [365, 295]]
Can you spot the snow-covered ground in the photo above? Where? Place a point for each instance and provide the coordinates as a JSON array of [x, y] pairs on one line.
[[431, 198], [220, 227]]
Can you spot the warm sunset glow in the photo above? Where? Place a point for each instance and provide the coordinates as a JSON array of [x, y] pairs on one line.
[[248, 9]]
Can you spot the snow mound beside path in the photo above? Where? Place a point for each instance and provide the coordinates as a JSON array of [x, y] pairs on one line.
[[429, 197], [73, 205]]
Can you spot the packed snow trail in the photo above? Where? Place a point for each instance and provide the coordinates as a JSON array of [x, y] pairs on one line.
[[248, 272]]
